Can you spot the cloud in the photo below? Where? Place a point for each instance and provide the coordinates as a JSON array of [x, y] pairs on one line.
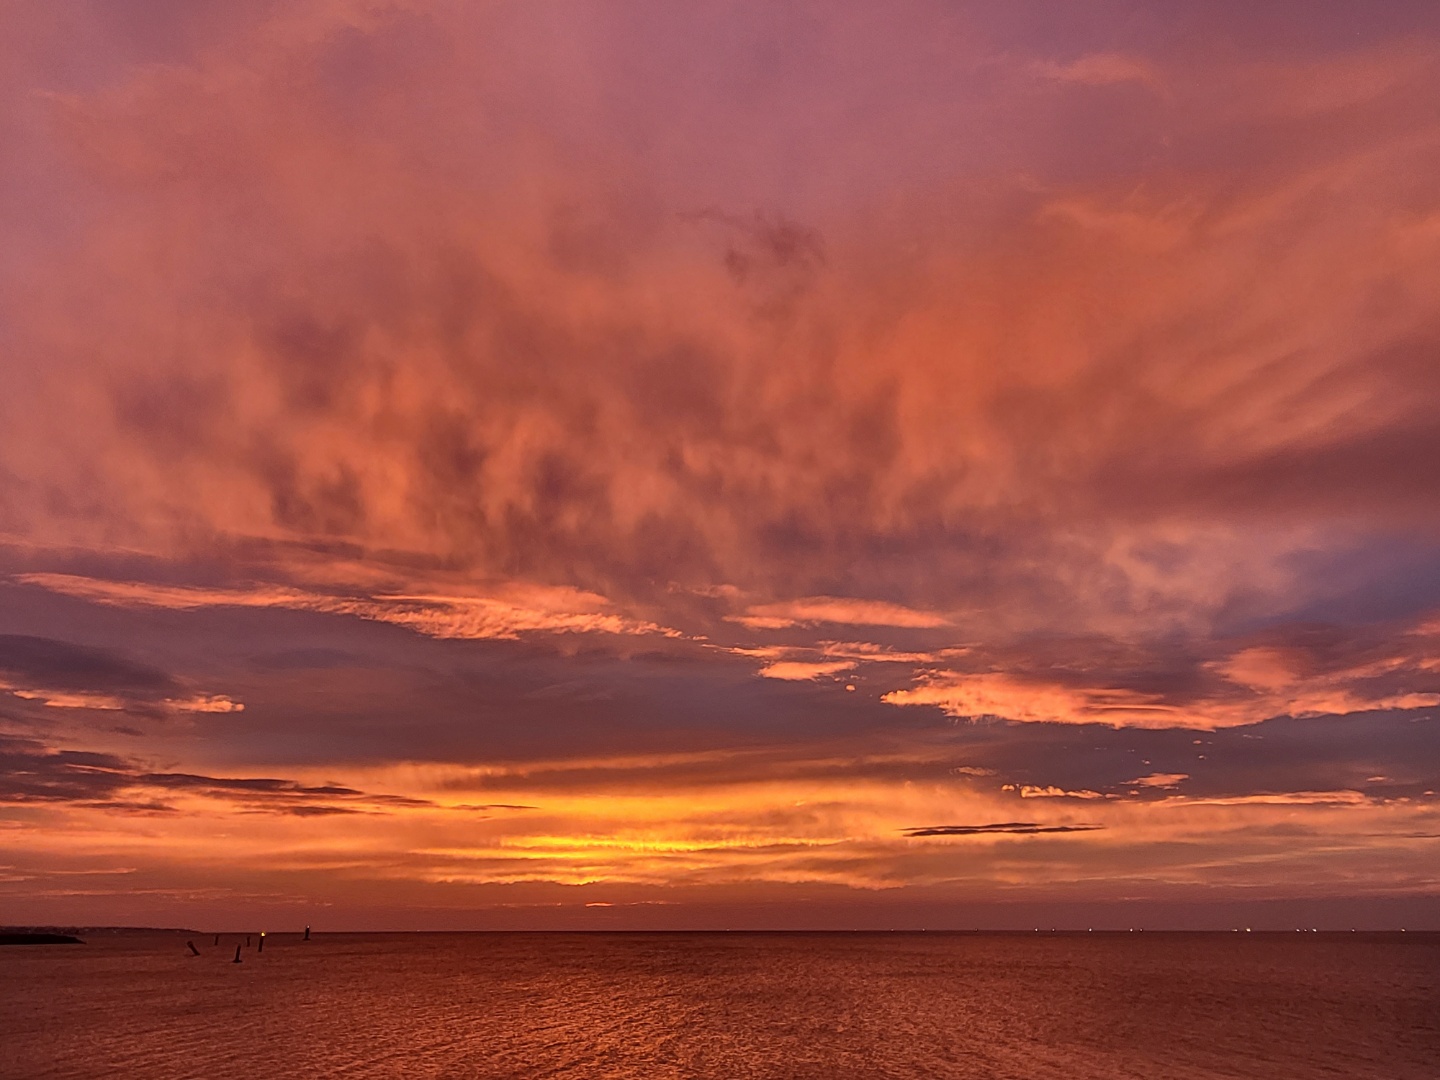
[[832, 609], [62, 699], [531, 609], [32, 773], [795, 393], [1019, 828], [799, 671], [63, 675], [1005, 697], [1159, 780], [78, 668], [1303, 672], [1286, 798], [871, 652], [1050, 791]]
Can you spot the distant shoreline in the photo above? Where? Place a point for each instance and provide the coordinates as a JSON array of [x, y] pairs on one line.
[[88, 931], [81, 932], [38, 939]]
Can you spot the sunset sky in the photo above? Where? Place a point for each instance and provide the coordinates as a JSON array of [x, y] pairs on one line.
[[648, 464]]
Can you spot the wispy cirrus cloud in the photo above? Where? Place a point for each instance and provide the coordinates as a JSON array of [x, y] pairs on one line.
[[1286, 798], [815, 610], [70, 699], [528, 609]]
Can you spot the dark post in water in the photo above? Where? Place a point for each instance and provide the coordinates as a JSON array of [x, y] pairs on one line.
[[261, 947], [237, 955], [307, 933], [193, 950]]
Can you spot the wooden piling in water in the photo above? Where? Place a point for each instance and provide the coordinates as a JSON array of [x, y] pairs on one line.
[[193, 950], [237, 955]]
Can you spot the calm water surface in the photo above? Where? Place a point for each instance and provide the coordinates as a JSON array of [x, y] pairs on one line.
[[729, 1006]]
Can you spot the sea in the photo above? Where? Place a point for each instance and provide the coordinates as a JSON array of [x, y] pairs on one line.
[[777, 1006]]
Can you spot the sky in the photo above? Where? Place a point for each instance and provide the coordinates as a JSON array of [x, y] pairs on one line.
[[800, 464]]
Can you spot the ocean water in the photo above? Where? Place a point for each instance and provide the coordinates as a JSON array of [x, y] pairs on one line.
[[729, 1006]]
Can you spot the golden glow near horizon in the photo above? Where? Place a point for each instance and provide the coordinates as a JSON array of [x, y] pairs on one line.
[[452, 454]]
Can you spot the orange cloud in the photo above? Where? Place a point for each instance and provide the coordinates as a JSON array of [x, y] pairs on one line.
[[871, 835], [1011, 698], [797, 670], [832, 609], [1159, 780], [554, 610], [69, 699], [1258, 682]]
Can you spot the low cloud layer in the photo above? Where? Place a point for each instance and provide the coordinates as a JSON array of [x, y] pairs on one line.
[[61, 675], [31, 773]]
